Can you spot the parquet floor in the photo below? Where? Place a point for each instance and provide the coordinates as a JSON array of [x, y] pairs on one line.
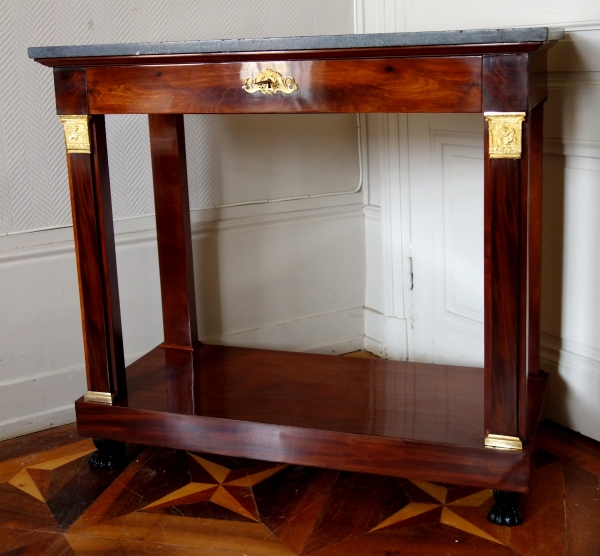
[[166, 502]]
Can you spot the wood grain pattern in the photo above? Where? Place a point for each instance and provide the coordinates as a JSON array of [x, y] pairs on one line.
[[106, 235], [538, 76], [536, 125], [311, 409], [36, 442], [531, 258], [292, 501], [18, 541], [365, 454], [507, 222], [502, 293], [536, 392], [96, 264], [573, 442], [89, 268], [385, 85], [172, 207], [434, 403], [505, 83], [300, 510], [523, 226], [71, 91], [583, 509]]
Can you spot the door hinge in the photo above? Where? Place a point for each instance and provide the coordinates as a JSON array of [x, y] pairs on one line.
[[409, 273]]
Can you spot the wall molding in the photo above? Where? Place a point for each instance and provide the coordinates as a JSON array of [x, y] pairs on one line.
[[394, 218], [39, 421], [373, 212], [460, 144], [57, 234], [554, 350], [40, 385], [574, 384], [373, 330], [572, 147], [572, 153], [16, 249], [570, 26], [304, 334], [573, 79], [384, 335], [574, 387]]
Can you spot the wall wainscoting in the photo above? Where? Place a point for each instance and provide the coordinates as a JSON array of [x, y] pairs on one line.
[[574, 384], [286, 275]]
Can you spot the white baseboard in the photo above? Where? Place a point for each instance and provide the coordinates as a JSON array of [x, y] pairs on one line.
[[574, 385], [20, 412], [283, 275], [304, 334], [34, 402], [385, 336], [373, 331], [35, 422]]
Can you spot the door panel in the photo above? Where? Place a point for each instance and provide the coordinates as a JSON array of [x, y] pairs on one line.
[[446, 192]]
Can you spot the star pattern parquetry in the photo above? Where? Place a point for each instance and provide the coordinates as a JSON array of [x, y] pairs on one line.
[[51, 488], [44, 480], [439, 511], [175, 502], [229, 488]]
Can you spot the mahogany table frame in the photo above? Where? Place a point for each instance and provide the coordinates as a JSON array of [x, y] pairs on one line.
[[471, 78]]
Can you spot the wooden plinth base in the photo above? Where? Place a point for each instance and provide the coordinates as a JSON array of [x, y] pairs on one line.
[[388, 417]]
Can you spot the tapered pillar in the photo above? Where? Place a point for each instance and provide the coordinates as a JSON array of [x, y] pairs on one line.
[[85, 140], [532, 274], [167, 145], [506, 198]]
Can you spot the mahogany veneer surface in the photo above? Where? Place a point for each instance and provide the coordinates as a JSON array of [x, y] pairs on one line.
[[448, 84], [414, 401]]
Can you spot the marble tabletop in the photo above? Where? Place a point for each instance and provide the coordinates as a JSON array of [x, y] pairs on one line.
[[323, 42]]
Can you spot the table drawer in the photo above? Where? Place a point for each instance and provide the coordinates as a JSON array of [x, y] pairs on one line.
[[435, 84]]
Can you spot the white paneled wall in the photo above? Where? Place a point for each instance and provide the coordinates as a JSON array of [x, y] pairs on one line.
[[571, 249], [286, 275]]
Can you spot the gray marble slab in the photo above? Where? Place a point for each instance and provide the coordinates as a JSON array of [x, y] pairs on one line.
[[479, 36]]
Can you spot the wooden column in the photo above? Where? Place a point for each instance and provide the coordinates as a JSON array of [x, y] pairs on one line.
[[167, 144], [531, 273], [505, 89], [94, 244]]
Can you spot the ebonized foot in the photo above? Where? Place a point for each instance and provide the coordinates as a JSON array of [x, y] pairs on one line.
[[505, 510], [110, 454]]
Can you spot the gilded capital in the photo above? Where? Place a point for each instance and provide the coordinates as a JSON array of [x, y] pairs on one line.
[[77, 135], [505, 134]]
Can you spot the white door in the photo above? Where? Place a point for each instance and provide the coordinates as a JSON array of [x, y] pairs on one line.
[[446, 207]]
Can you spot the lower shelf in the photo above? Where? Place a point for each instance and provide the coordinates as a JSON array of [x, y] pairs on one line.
[[388, 417]]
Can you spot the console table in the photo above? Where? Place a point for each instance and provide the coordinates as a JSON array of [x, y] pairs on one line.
[[303, 408]]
